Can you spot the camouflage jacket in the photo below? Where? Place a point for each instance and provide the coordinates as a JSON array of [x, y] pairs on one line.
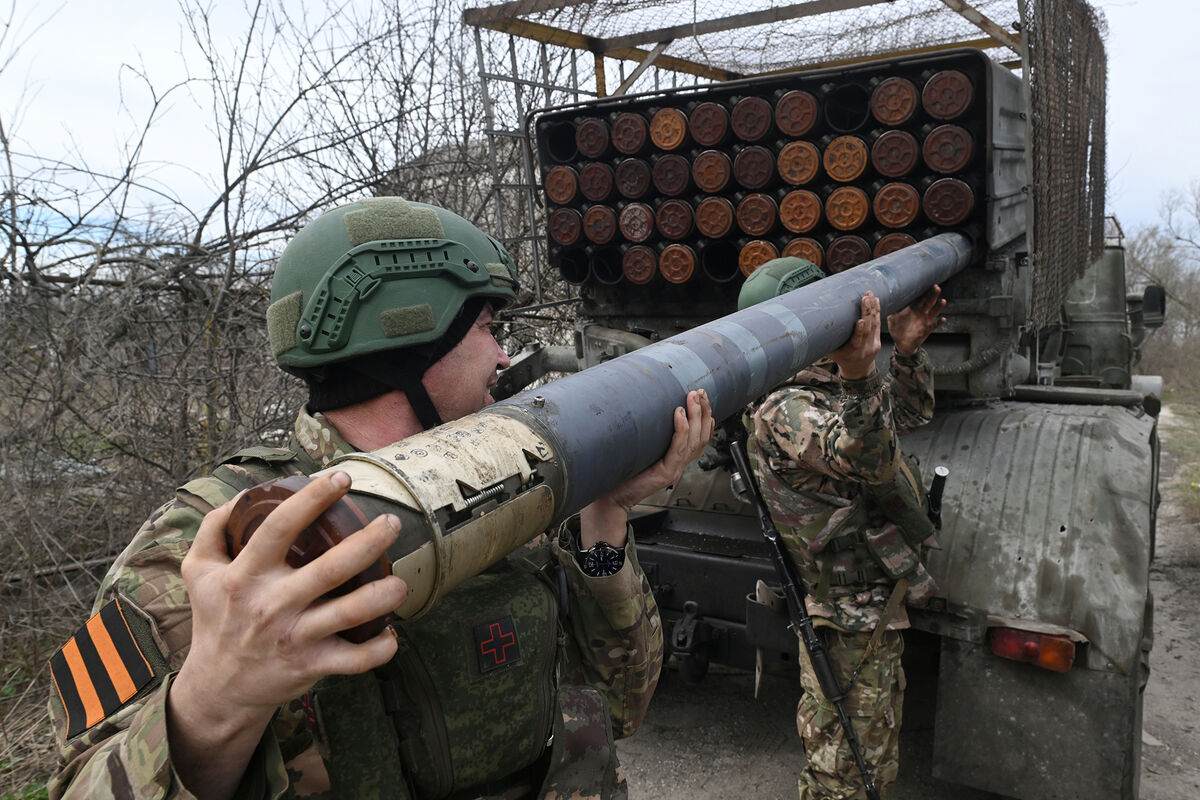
[[820, 434], [613, 642]]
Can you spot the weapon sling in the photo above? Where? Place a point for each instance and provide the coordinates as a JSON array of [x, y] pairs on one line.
[[794, 591]]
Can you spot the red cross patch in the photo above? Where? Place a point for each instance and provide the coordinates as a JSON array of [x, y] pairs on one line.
[[496, 644]]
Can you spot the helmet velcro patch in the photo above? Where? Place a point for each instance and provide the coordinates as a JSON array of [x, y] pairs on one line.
[[282, 318], [390, 218], [108, 662], [406, 321]]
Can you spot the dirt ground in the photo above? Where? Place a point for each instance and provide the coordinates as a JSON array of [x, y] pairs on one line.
[[714, 741]]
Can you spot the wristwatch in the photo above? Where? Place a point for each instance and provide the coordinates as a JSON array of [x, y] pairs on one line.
[[601, 560]]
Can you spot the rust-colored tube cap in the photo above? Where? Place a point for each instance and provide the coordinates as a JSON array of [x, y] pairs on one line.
[[600, 224], [709, 124], [677, 263], [629, 133], [714, 217], [751, 118], [671, 174], [847, 208], [947, 149], [639, 263], [947, 94], [754, 167], [674, 219], [591, 137], [895, 154], [846, 158], [596, 181], [845, 252], [896, 205], [633, 178], [798, 163], [636, 222], [891, 243], [711, 171], [561, 185], [756, 214], [565, 225], [796, 112], [803, 247], [894, 101], [800, 211], [754, 254], [668, 128], [948, 201]]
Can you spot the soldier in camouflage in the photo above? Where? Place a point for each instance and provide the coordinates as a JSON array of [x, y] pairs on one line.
[[196, 676], [821, 445]]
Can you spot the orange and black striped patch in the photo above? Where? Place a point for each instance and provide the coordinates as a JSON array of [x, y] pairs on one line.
[[99, 669]]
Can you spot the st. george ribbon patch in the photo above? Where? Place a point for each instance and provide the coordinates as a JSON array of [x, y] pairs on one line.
[[99, 669], [496, 644]]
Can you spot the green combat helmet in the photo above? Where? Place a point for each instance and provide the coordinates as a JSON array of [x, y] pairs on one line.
[[370, 294], [775, 277]]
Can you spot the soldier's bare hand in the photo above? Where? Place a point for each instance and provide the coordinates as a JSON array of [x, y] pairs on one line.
[[605, 519], [856, 358], [262, 632], [910, 327]]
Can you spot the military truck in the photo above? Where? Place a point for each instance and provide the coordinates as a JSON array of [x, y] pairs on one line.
[[659, 204]]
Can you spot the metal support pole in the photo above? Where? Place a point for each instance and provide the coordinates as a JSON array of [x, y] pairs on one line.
[[527, 163]]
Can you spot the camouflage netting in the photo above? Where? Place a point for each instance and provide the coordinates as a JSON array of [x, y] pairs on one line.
[[1066, 73]]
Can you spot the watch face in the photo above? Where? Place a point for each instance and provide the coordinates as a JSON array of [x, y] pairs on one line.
[[602, 560]]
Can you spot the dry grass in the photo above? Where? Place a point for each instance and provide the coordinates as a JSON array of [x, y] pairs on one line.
[[1180, 432]]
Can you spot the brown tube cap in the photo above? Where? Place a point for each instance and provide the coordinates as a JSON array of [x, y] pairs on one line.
[[600, 224], [896, 205], [796, 112], [754, 167], [596, 181], [639, 263], [800, 211], [709, 124], [948, 201], [711, 170], [565, 226], [751, 118], [754, 254], [714, 217], [591, 137], [845, 252], [674, 219], [847, 208], [633, 178], [891, 243], [637, 222], [948, 148], [803, 247], [947, 94], [668, 128], [895, 154], [798, 162], [677, 263], [756, 214], [629, 133], [561, 185], [894, 101], [671, 174], [846, 158]]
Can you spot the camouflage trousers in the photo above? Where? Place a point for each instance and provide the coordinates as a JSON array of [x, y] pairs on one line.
[[874, 704]]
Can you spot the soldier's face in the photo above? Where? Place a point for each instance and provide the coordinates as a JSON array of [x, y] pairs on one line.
[[461, 382]]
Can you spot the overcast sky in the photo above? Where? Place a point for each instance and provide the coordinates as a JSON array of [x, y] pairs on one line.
[[71, 72]]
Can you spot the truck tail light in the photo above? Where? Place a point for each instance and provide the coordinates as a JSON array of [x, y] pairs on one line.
[[1048, 651]]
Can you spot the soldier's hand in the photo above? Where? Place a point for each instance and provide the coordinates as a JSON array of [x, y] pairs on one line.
[[910, 327], [856, 358], [262, 634], [605, 519]]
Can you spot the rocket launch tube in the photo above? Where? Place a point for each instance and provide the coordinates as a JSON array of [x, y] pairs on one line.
[[612, 420], [471, 491]]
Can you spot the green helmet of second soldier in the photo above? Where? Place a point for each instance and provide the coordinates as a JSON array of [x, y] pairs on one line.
[[367, 297], [780, 276]]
